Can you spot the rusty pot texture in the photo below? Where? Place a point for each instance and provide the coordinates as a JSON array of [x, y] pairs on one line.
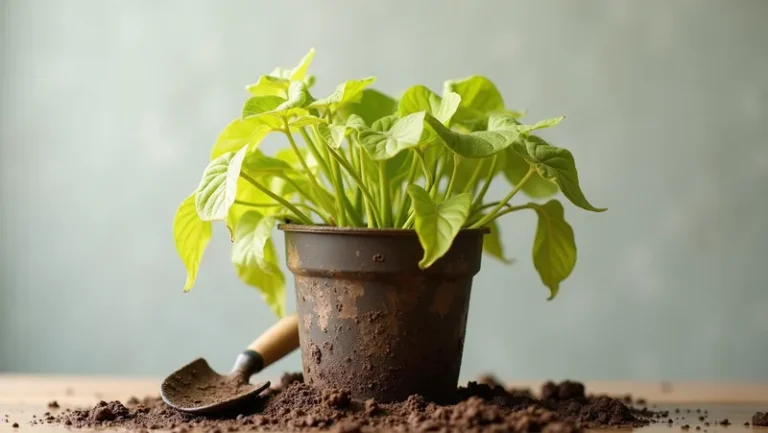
[[371, 321]]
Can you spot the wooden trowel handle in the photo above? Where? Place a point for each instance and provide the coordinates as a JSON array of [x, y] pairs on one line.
[[279, 340]]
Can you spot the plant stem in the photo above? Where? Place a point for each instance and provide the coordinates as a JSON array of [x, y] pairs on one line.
[[492, 214], [386, 196], [406, 203], [352, 173], [305, 219], [449, 190], [313, 148], [338, 188], [427, 174], [436, 184], [319, 190], [487, 184], [472, 184], [409, 221], [368, 200]]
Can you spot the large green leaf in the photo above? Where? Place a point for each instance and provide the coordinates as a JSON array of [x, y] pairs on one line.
[[554, 248], [556, 164], [388, 136], [258, 107], [373, 106], [479, 98], [238, 134], [277, 82], [218, 187], [257, 165], [492, 244], [419, 98], [478, 144], [437, 224], [347, 92], [516, 167], [254, 257], [191, 236]]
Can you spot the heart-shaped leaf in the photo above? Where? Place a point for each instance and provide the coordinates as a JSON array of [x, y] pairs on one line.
[[479, 98], [554, 247], [555, 164], [373, 105], [347, 92], [516, 167], [218, 187], [419, 98], [254, 257], [258, 165], [261, 104], [478, 144], [191, 236], [298, 98], [388, 136], [277, 82], [240, 133], [437, 224]]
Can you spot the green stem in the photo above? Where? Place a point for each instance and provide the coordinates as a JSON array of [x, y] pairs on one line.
[[367, 197], [313, 148], [406, 203], [386, 196], [449, 190], [338, 188], [427, 174], [472, 184], [346, 166], [319, 190], [492, 214], [409, 221], [487, 184], [305, 219], [260, 205], [436, 184]]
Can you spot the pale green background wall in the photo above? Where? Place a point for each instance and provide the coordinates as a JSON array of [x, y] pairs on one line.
[[109, 109]]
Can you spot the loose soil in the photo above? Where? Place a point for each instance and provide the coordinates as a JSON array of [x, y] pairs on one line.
[[760, 419], [293, 406]]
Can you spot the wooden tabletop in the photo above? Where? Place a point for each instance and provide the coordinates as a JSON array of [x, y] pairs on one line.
[[23, 396]]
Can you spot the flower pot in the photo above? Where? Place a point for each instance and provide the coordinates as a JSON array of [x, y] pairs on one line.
[[371, 321]]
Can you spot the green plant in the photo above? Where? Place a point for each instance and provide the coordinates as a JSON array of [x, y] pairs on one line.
[[422, 162]]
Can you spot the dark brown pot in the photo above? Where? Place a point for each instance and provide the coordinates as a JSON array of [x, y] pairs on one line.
[[371, 321]]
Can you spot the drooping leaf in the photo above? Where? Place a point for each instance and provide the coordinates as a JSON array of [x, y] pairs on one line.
[[478, 144], [218, 187], [516, 167], [388, 136], [554, 247], [373, 105], [556, 164], [437, 224], [238, 134], [191, 236], [492, 244], [419, 98], [247, 193], [347, 92], [254, 257]]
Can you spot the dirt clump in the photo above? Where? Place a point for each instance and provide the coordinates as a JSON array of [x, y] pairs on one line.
[[293, 406], [760, 419]]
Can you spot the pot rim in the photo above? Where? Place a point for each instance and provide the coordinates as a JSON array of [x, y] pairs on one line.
[[364, 231]]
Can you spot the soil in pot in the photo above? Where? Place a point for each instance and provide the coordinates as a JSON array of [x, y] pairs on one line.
[[295, 406]]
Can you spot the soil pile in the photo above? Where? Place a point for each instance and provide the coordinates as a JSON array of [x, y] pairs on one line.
[[293, 406], [760, 419]]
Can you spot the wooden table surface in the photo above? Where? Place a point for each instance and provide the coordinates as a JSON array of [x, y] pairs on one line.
[[23, 396]]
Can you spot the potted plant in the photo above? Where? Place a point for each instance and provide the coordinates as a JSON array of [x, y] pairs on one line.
[[384, 207]]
